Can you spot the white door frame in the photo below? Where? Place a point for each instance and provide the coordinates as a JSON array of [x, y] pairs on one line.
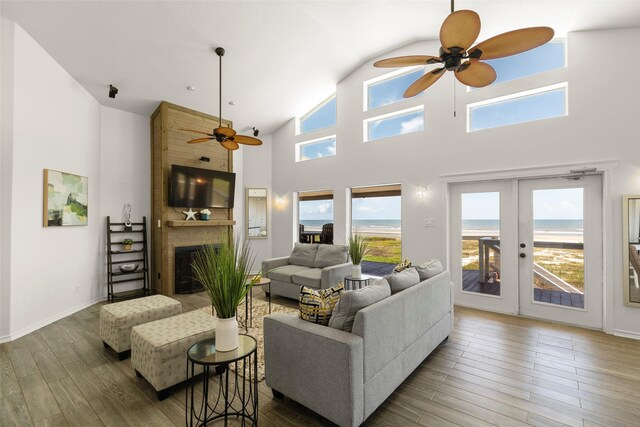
[[605, 167], [507, 301], [591, 315]]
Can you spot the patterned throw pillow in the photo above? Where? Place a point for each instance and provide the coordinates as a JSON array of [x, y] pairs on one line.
[[316, 306]]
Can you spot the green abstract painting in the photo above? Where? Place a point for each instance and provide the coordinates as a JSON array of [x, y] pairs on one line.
[[66, 199]]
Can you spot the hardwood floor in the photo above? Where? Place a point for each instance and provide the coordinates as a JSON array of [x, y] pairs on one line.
[[493, 370]]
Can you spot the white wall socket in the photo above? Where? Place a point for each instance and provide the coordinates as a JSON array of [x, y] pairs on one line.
[[429, 222]]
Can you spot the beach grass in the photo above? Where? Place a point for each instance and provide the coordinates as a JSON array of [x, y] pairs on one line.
[[567, 264], [384, 249]]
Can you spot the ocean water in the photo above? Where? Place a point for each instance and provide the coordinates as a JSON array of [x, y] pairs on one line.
[[382, 224], [540, 225]]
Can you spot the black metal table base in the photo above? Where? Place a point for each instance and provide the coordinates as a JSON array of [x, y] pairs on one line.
[[240, 402]]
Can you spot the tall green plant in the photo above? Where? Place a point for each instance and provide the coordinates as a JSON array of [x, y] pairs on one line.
[[225, 273], [358, 246]]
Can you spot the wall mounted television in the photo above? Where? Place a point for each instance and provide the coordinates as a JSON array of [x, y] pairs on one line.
[[201, 188]]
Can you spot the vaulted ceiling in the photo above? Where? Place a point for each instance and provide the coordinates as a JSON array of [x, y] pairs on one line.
[[283, 57]]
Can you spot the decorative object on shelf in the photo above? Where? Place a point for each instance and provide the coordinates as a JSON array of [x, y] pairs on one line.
[[127, 218], [358, 247], [226, 136], [127, 243], [204, 214], [225, 273], [65, 199], [190, 214], [458, 32], [127, 268]]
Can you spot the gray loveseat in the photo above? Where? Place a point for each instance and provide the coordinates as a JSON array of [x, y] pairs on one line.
[[312, 265], [345, 376]]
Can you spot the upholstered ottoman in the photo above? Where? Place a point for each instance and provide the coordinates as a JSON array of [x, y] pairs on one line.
[[117, 319], [159, 349]]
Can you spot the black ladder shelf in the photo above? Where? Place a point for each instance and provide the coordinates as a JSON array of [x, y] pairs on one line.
[[117, 256]]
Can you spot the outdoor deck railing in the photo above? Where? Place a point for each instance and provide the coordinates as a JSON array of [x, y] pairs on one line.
[[491, 244]]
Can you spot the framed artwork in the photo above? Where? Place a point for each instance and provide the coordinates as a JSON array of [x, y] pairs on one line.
[[66, 199]]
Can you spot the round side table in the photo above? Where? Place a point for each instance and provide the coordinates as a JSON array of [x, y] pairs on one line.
[[237, 388], [248, 302], [351, 282]]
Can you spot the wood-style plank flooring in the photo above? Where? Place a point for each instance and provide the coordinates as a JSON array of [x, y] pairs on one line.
[[494, 370]]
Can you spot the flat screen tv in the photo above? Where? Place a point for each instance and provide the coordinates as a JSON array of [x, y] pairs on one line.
[[201, 188]]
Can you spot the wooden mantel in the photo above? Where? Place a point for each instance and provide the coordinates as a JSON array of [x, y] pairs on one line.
[[210, 223], [169, 229]]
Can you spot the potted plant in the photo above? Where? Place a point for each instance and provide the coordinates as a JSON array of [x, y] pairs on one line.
[[225, 273], [204, 214], [126, 244], [358, 247]]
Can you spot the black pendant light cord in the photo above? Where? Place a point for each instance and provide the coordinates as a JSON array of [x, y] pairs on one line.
[[220, 97]]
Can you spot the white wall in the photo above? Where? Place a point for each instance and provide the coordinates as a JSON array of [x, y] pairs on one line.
[[50, 122], [56, 125], [125, 164], [602, 125]]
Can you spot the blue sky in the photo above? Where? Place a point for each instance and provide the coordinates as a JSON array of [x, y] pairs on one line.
[[561, 203], [535, 107], [367, 208]]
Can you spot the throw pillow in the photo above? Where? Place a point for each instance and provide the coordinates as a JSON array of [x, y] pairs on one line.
[[429, 269], [404, 264], [316, 306], [344, 314], [303, 254], [329, 255], [403, 280]]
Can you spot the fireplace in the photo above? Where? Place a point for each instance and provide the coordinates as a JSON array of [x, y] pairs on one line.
[[185, 283]]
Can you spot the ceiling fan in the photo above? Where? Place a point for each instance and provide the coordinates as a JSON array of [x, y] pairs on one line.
[[226, 136], [457, 33]]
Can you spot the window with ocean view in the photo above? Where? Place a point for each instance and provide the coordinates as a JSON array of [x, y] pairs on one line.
[[315, 213], [376, 213]]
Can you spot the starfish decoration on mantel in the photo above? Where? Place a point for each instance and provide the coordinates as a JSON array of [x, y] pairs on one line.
[[190, 214]]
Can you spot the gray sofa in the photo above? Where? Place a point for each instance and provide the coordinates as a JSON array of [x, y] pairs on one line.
[[345, 376], [312, 265]]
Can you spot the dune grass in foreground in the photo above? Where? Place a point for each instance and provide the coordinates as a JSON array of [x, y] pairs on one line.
[[384, 249]]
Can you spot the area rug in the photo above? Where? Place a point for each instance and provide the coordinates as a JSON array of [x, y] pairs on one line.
[[260, 310]]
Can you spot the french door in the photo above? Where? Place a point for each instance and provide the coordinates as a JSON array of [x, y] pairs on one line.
[[531, 247], [560, 250]]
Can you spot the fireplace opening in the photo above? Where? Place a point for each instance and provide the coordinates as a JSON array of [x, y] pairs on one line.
[[185, 282]]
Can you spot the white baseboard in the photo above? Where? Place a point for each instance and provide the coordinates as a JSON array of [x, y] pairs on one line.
[[626, 334], [50, 320]]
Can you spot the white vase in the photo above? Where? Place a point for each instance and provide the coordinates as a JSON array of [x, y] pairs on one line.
[[356, 271], [227, 334]]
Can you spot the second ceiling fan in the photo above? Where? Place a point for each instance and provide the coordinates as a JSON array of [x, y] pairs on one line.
[[458, 32]]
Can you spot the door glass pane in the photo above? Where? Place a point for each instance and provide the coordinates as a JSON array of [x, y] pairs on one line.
[[558, 248], [481, 243]]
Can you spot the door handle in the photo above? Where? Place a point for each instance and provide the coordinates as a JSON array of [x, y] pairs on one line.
[[523, 255]]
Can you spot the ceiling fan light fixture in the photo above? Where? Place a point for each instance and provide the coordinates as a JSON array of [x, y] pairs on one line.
[[226, 136], [458, 33]]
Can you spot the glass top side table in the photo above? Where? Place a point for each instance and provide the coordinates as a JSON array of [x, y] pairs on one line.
[[236, 375]]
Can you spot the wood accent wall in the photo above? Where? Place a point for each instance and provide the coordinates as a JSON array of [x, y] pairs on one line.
[[169, 146]]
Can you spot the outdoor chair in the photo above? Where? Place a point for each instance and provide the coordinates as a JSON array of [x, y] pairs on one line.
[[326, 236]]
